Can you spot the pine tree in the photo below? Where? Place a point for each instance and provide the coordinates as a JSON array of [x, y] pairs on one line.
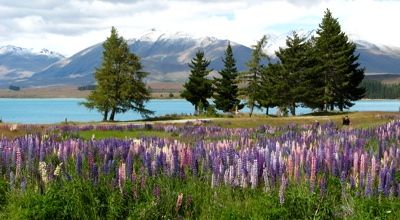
[[269, 91], [252, 77], [198, 88], [342, 74], [226, 87], [120, 85], [296, 64]]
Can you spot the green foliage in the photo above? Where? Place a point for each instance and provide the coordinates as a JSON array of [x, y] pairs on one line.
[[252, 77], [157, 198], [377, 90], [198, 89], [341, 73], [120, 85], [294, 75], [226, 87]]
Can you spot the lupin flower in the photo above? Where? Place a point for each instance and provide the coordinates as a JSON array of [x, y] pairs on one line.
[[18, 162], [43, 171], [121, 176], [179, 202], [313, 174], [57, 171], [282, 189]]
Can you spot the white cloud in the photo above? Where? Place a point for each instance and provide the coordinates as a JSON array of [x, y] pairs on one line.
[[72, 25]]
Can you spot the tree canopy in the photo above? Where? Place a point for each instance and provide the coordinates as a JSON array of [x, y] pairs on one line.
[[198, 88], [119, 79], [226, 86]]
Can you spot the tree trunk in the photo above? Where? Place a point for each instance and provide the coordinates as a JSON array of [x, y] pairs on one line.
[[251, 110], [267, 111], [105, 116], [293, 109], [332, 107], [112, 114]]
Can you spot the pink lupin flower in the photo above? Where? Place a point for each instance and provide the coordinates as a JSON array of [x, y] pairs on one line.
[[355, 168], [290, 167], [374, 167], [363, 161], [121, 176]]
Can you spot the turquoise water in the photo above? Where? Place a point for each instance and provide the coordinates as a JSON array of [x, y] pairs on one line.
[[56, 110]]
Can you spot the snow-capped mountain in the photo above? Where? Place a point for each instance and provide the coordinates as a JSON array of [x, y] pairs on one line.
[[164, 55], [17, 63]]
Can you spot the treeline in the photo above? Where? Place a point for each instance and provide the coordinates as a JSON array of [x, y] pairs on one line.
[[321, 73], [378, 90]]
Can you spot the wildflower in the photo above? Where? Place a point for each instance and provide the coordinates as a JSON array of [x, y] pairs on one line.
[[313, 171], [78, 164], [57, 171], [254, 175], [179, 202], [121, 176], [18, 162], [368, 186], [43, 171], [282, 189]]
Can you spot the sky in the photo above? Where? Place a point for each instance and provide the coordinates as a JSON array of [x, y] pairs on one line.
[[68, 26]]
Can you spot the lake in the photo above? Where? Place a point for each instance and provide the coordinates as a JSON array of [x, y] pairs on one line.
[[37, 111]]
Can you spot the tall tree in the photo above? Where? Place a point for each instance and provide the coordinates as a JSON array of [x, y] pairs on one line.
[[252, 77], [120, 85], [226, 87], [342, 74], [198, 88], [296, 65]]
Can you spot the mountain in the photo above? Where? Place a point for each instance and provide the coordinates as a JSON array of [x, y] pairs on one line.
[[18, 63], [166, 56], [379, 59]]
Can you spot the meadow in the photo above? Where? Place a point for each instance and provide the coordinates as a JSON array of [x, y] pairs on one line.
[[228, 168]]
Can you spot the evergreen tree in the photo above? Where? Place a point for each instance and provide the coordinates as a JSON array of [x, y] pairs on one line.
[[252, 77], [296, 66], [269, 92], [120, 85], [226, 87], [342, 74], [198, 88]]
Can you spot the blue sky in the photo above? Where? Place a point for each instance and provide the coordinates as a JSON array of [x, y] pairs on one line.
[[69, 26]]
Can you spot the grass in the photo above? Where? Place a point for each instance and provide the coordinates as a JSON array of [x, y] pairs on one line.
[[358, 120], [157, 199], [123, 134]]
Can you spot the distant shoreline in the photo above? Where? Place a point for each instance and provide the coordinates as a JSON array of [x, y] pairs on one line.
[[160, 91]]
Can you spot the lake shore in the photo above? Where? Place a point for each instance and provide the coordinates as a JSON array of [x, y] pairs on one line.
[[159, 91]]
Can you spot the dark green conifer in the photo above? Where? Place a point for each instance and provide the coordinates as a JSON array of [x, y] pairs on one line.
[[198, 88], [226, 87], [342, 74]]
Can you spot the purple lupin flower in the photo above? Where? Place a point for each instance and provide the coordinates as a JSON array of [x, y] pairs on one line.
[[254, 175], [78, 164], [368, 186], [313, 174], [18, 162]]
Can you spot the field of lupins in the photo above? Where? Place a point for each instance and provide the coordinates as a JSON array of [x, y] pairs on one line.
[[295, 171]]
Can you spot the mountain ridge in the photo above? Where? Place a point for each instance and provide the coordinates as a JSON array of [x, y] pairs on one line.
[[166, 56]]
